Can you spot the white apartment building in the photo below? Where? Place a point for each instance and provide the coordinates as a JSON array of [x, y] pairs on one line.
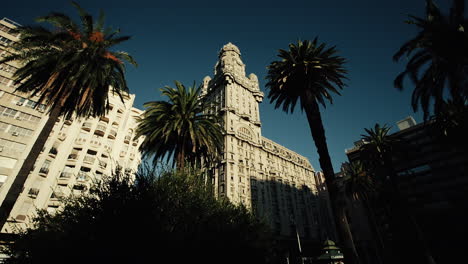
[[78, 151], [275, 182]]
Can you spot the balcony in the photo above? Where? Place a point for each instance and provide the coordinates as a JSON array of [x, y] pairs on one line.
[[102, 164], [68, 121], [33, 192], [43, 171], [80, 141], [127, 139], [73, 156], [62, 136], [112, 133], [123, 153], [89, 159], [62, 192], [95, 143], [87, 126], [100, 130], [65, 177], [53, 152]]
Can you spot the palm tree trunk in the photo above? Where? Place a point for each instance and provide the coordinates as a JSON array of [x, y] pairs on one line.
[[318, 134], [375, 227], [18, 184]]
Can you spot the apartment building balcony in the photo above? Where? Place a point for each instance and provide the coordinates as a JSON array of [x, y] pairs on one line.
[[89, 159], [43, 172], [80, 141], [65, 177], [108, 148], [61, 136], [62, 191], [87, 126], [53, 152], [95, 143], [54, 202], [73, 157], [112, 133], [123, 153], [33, 192], [127, 139], [68, 121], [102, 164], [100, 130]]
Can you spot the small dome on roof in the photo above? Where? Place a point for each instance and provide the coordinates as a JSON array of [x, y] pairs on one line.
[[230, 47], [329, 244]]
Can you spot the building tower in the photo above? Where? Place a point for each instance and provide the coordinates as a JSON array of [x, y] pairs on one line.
[[77, 152], [272, 180]]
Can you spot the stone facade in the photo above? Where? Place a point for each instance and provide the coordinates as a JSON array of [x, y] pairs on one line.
[[275, 182]]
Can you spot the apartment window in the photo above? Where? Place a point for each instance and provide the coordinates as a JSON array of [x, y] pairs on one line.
[[8, 30], [8, 112], [4, 80], [5, 41], [3, 126], [3, 179], [11, 146], [7, 68], [19, 131], [45, 166], [28, 117], [8, 163]]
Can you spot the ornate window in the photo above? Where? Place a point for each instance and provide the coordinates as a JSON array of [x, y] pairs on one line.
[[245, 133]]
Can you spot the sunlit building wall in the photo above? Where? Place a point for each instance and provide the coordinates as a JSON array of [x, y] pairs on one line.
[[77, 153], [275, 182]]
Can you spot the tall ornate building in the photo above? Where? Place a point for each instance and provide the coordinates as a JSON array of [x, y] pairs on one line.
[[275, 182], [77, 152]]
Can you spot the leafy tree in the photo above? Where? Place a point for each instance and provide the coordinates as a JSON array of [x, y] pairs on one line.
[[72, 69], [182, 128], [439, 58], [309, 72], [171, 216]]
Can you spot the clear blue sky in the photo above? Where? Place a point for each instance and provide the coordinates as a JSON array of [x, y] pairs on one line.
[[180, 40]]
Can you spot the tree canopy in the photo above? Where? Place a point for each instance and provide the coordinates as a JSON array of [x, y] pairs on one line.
[[156, 218]]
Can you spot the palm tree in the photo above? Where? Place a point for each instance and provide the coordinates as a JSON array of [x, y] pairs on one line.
[[439, 52], [378, 151], [359, 185], [310, 72], [71, 69], [451, 124], [182, 128]]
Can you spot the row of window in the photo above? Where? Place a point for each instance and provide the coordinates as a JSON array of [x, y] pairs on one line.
[[5, 41], [8, 30], [15, 130], [11, 146], [20, 101], [7, 68], [10, 112]]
